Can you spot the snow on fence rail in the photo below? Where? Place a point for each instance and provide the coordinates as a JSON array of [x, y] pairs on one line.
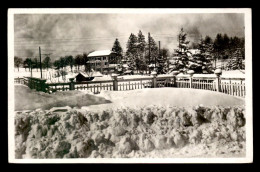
[[232, 86]]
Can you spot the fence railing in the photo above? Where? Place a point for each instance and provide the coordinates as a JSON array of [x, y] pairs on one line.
[[232, 86]]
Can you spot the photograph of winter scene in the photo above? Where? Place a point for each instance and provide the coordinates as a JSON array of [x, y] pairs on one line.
[[124, 84]]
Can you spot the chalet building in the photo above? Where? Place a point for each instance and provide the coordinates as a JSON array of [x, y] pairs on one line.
[[104, 61]]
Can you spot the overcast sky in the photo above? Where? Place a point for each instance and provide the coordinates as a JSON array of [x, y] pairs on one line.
[[71, 34]]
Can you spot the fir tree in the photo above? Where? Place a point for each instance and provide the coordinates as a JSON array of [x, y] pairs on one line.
[[117, 49], [201, 61], [131, 52], [182, 60], [140, 60], [154, 50], [161, 62], [141, 42], [236, 62], [183, 43]]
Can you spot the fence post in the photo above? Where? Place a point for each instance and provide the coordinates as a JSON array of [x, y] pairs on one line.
[[38, 85], [191, 72], [72, 86], [175, 73], [115, 82], [29, 82], [43, 85], [218, 72], [154, 81]]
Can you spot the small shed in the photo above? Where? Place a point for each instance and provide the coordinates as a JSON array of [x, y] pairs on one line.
[[83, 77]]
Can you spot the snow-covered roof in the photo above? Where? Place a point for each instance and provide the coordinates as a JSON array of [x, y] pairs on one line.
[[90, 74], [100, 53], [84, 74]]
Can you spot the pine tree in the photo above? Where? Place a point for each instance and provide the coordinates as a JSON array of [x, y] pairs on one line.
[[183, 43], [236, 62], [218, 48], [141, 63], [182, 60], [201, 61], [141, 42], [131, 52], [154, 50], [117, 49]]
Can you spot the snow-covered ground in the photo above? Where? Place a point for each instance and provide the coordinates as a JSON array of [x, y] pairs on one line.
[[160, 123], [181, 97]]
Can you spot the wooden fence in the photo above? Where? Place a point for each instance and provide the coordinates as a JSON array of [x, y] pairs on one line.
[[232, 86]]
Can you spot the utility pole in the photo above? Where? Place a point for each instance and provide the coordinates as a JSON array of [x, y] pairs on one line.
[[40, 61], [31, 66], [149, 52], [158, 53]]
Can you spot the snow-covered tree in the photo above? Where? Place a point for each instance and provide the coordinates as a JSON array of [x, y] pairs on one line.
[[141, 63], [141, 42], [182, 59], [154, 49], [117, 49], [162, 63], [236, 62], [201, 61], [131, 51], [182, 42]]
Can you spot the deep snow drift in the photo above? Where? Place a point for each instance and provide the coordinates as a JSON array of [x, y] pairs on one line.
[[126, 132], [27, 99], [157, 123], [166, 97]]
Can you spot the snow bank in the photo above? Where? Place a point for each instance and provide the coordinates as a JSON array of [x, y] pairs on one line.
[[165, 97], [27, 99], [131, 132]]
